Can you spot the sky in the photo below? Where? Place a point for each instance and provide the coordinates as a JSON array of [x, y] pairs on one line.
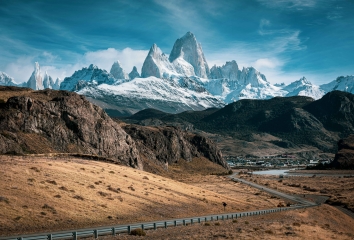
[[283, 39]]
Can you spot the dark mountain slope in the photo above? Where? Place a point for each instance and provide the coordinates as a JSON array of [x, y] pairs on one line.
[[335, 110]]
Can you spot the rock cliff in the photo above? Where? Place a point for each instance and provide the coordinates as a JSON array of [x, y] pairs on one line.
[[345, 156], [59, 121], [169, 144]]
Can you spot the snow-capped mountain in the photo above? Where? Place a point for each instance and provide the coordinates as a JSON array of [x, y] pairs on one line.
[[134, 73], [118, 72], [156, 64], [178, 82], [49, 83], [304, 87], [163, 94], [6, 80], [187, 49], [35, 81], [345, 84], [229, 70], [92, 74]]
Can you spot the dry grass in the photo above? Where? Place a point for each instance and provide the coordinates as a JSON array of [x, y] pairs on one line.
[[75, 193], [324, 222], [338, 189]]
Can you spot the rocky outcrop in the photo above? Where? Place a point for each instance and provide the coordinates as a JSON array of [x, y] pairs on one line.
[[166, 145], [59, 121], [134, 73], [344, 158], [117, 71]]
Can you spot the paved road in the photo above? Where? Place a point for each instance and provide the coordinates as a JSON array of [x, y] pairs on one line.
[[271, 191]]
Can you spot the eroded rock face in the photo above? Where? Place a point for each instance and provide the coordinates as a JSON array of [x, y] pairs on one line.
[[345, 156], [191, 51], [65, 122], [170, 144]]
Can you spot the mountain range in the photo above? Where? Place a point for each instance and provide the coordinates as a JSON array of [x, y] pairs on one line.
[[176, 82], [271, 126]]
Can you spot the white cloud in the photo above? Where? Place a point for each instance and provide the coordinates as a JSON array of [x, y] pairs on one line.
[[267, 63], [292, 4], [128, 58]]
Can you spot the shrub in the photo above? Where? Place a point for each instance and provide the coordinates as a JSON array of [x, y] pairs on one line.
[[296, 224], [4, 199], [269, 231], [217, 224], [247, 222], [103, 194], [35, 169], [52, 182], [234, 221], [78, 197], [63, 188], [138, 232], [116, 190], [206, 224]]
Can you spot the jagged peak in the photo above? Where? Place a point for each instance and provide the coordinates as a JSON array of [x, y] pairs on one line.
[[189, 35], [36, 66], [92, 66]]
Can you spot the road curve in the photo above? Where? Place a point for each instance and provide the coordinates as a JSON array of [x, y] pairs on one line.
[[271, 191]]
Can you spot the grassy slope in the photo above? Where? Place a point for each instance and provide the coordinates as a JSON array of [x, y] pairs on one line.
[[44, 194]]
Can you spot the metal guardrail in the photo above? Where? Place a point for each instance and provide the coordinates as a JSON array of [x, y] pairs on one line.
[[113, 230]]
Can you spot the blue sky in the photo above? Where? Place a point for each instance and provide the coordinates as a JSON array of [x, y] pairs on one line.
[[284, 39]]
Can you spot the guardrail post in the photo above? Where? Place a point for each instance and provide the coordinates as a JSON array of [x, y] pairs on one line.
[[155, 226], [95, 232], [206, 219], [192, 221], [217, 218], [227, 216], [74, 235], [129, 229], [211, 219], [198, 220], [184, 222], [232, 216], [175, 223], [142, 226], [113, 231], [165, 224], [222, 217], [50, 236]]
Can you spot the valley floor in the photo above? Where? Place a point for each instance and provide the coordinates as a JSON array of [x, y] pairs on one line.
[[45, 194]]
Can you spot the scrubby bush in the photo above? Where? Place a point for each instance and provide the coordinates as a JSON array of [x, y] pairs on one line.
[[138, 232]]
